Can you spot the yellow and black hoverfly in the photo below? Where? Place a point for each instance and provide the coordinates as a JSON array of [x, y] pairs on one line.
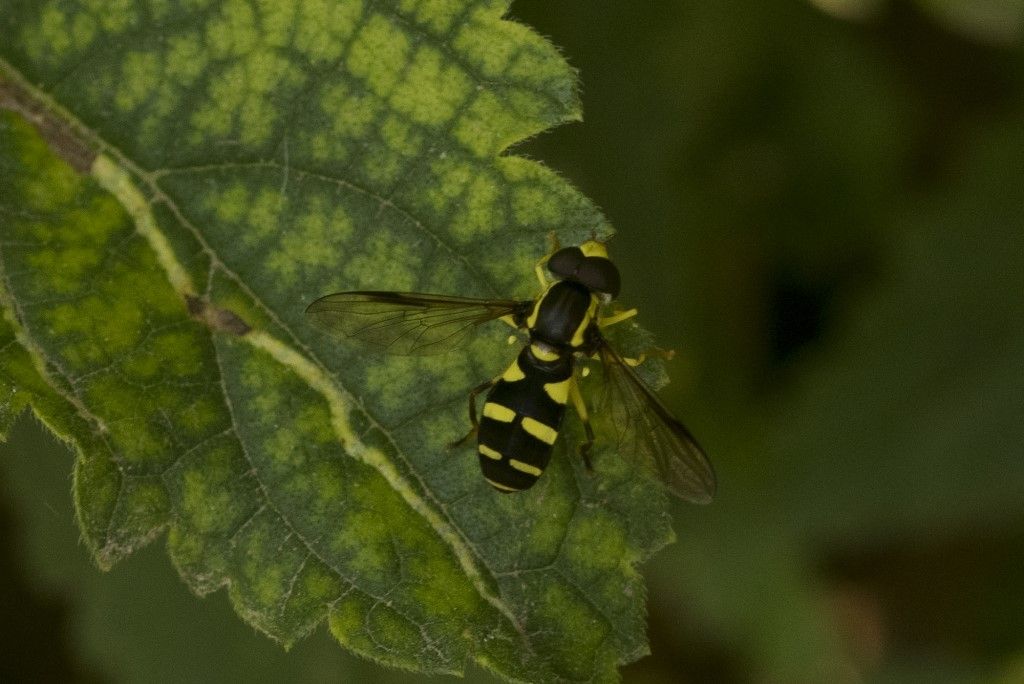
[[524, 407]]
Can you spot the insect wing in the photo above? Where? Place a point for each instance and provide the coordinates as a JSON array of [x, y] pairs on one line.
[[409, 324], [647, 431]]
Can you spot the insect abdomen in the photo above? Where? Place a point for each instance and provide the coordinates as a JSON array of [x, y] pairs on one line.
[[521, 418]]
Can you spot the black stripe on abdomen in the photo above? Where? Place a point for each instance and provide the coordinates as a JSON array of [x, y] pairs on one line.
[[521, 418], [511, 458]]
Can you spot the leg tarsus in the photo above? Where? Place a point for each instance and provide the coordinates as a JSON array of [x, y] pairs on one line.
[[462, 440], [555, 243], [587, 446], [581, 410], [474, 421]]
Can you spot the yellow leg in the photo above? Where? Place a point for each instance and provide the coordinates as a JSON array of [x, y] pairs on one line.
[[605, 321], [474, 421], [539, 270], [542, 277], [581, 410], [667, 354]]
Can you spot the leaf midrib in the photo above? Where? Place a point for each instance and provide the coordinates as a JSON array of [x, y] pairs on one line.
[[269, 503], [126, 163]]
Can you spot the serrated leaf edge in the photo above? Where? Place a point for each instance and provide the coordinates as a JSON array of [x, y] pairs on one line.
[[117, 181], [115, 172]]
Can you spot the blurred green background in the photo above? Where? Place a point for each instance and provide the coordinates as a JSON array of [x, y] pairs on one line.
[[820, 206]]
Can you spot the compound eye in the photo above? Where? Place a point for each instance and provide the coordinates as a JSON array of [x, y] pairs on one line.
[[600, 275], [565, 261]]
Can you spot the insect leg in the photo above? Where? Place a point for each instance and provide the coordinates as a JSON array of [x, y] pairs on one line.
[[666, 354], [473, 394], [605, 321], [539, 268], [581, 410]]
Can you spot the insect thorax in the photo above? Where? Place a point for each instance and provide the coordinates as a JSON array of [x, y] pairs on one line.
[[562, 315]]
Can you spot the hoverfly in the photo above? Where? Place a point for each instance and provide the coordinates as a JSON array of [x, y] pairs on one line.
[[524, 406]]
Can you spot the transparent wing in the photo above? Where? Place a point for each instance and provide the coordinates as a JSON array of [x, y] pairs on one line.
[[409, 323], [648, 433]]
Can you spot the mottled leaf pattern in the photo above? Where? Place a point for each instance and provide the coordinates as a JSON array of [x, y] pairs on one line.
[[222, 163]]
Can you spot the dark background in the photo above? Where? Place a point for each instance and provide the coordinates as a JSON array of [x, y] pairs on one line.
[[823, 213]]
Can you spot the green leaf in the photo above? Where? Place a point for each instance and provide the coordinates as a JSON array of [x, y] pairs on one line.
[[134, 623], [221, 167]]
